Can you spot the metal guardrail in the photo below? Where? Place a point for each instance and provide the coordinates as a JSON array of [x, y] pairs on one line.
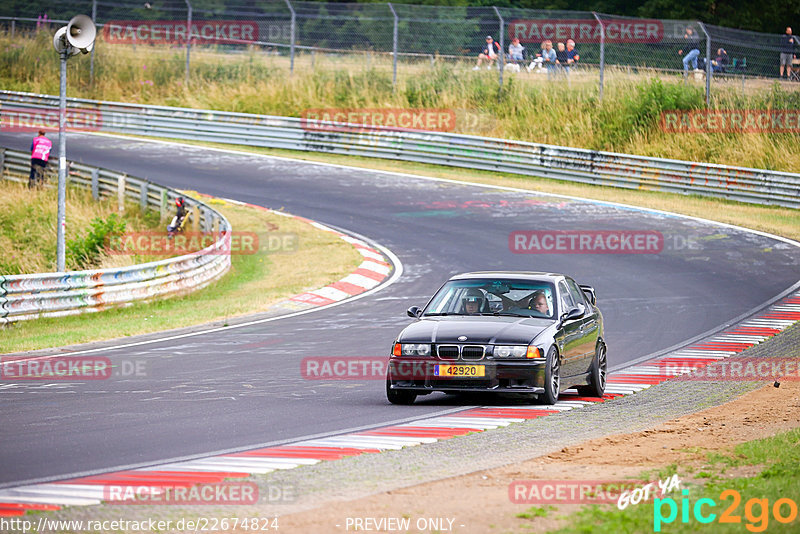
[[457, 150], [31, 296]]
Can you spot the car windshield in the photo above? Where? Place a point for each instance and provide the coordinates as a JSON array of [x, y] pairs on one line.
[[494, 296]]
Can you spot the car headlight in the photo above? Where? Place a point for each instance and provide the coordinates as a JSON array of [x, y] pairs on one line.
[[510, 351], [413, 349]]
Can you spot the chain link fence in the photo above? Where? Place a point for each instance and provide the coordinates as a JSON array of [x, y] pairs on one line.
[[410, 38]]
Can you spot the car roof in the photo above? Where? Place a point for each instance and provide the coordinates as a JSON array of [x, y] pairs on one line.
[[511, 275]]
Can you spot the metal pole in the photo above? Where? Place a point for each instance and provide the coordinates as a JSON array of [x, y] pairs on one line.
[[13, 27], [91, 60], [708, 64], [291, 45], [602, 54], [502, 55], [394, 46], [188, 36], [62, 166]]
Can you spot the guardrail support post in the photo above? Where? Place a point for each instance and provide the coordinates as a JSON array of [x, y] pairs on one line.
[[502, 56], [2, 162], [708, 64], [162, 209], [394, 45], [121, 181], [293, 29], [143, 196], [195, 218], [602, 54], [96, 184]]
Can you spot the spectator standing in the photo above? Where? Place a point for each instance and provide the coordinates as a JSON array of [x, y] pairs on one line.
[[489, 53], [692, 48], [40, 153], [572, 54], [788, 42]]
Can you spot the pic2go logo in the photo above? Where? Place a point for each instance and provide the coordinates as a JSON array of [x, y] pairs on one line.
[[756, 511]]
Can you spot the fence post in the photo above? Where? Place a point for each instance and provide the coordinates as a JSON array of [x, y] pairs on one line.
[[91, 60], [96, 183], [143, 195], [121, 181], [293, 29], [502, 55], [188, 36], [162, 209], [708, 64], [394, 46], [13, 27], [602, 54]]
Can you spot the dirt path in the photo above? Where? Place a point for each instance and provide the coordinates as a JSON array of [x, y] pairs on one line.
[[480, 502]]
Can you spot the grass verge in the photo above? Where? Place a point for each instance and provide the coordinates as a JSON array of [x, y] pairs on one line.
[[254, 282], [746, 502]]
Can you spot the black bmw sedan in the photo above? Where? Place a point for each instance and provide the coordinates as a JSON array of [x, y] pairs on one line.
[[505, 332]]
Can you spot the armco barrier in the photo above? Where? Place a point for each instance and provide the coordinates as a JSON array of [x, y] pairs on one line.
[[31, 296], [472, 152]]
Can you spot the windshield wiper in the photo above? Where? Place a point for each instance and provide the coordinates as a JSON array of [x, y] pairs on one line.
[[432, 314], [510, 314]]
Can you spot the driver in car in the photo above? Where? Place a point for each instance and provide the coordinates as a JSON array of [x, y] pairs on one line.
[[538, 303], [473, 301]]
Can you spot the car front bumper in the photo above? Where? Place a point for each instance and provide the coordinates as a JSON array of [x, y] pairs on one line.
[[506, 376]]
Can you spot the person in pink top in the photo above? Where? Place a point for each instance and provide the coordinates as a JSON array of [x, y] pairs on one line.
[[40, 153]]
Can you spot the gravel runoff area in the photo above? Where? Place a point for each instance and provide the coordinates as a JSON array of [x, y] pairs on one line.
[[306, 488]]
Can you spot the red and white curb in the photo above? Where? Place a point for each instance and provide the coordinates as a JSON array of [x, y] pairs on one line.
[[90, 490], [369, 274]]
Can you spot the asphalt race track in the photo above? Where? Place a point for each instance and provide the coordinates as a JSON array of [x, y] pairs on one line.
[[243, 387]]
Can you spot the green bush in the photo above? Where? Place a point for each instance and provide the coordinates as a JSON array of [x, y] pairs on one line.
[[84, 251]]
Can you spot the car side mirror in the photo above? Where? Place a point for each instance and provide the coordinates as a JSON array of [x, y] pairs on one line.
[[574, 313], [414, 311]]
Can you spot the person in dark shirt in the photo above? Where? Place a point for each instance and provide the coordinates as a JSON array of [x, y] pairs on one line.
[[692, 48], [572, 54], [720, 62], [788, 42]]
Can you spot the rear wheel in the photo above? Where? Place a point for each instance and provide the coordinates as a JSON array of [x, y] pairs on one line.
[[399, 396], [597, 376], [552, 377]]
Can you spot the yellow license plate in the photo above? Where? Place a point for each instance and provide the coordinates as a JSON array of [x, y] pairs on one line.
[[461, 371]]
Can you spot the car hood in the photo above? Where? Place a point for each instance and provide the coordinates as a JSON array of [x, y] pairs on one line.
[[480, 330]]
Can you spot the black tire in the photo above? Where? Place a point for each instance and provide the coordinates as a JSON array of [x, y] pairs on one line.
[[552, 377], [399, 396], [597, 376]]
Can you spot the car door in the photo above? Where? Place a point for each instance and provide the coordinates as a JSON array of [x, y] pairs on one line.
[[590, 327], [573, 350]]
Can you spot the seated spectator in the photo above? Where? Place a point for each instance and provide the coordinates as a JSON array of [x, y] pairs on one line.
[[549, 57], [515, 50], [572, 54], [489, 53], [720, 63], [692, 47]]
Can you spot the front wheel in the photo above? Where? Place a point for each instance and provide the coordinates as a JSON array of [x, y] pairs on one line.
[[597, 376], [399, 396], [552, 377]]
